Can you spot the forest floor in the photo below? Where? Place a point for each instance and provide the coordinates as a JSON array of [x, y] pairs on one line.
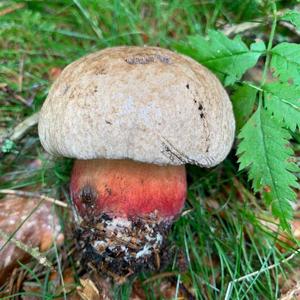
[[227, 245]]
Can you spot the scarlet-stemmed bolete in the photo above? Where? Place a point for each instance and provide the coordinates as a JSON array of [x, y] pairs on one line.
[[133, 117]]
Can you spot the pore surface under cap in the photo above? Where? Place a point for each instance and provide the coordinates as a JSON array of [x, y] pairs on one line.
[[142, 103]]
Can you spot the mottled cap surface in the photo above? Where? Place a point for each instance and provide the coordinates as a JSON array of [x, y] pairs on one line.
[[142, 103]]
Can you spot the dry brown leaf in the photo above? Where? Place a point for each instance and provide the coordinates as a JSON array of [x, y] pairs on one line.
[[290, 287], [39, 230], [88, 290], [283, 237], [293, 294]]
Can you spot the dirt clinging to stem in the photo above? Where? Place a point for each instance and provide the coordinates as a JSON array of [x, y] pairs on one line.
[[120, 247]]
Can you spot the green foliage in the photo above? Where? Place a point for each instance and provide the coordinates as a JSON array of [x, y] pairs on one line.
[[293, 17], [265, 151], [283, 100], [229, 59], [286, 62], [244, 9], [7, 146], [264, 130], [243, 100]]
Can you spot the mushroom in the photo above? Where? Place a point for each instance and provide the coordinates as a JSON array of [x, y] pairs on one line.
[[132, 117]]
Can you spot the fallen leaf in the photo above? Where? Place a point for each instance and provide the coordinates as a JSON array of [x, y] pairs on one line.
[[290, 286], [88, 290], [39, 230]]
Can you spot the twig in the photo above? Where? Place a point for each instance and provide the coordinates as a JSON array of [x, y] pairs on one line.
[[177, 287], [186, 212], [34, 195], [258, 272], [12, 93], [239, 28], [290, 27], [34, 252], [246, 26], [160, 276], [20, 130], [24, 126], [21, 99]]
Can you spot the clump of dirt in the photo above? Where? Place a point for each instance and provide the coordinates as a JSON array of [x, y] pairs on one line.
[[120, 247]]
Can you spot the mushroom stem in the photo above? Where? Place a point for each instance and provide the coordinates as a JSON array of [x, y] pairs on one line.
[[126, 209], [127, 188]]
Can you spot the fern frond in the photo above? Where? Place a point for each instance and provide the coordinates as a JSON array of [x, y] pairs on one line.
[[264, 150]]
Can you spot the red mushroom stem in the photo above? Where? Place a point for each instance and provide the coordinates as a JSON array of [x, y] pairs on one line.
[[126, 209], [128, 188]]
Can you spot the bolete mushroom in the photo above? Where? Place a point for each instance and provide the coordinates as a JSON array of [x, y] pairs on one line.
[[133, 117]]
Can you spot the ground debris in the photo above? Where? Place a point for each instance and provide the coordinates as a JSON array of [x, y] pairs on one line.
[[121, 247], [88, 290], [290, 287], [15, 134], [32, 223]]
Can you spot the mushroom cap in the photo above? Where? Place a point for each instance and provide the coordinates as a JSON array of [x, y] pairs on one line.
[[142, 103]]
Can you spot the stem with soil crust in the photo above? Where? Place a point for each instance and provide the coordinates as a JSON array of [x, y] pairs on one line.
[[125, 210]]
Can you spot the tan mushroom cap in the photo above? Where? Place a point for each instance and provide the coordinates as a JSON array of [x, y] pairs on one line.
[[142, 103]]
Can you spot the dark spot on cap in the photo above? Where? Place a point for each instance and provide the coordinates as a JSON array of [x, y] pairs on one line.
[[100, 71], [187, 86], [65, 89], [146, 59], [202, 115], [207, 149]]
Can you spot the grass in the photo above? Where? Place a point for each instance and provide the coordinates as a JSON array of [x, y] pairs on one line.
[[220, 238]]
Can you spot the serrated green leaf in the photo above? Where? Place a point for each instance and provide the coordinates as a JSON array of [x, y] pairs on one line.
[[228, 58], [286, 62], [243, 100], [264, 151], [283, 100], [293, 17]]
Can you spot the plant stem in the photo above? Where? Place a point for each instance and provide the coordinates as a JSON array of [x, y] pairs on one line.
[[270, 43], [34, 252]]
